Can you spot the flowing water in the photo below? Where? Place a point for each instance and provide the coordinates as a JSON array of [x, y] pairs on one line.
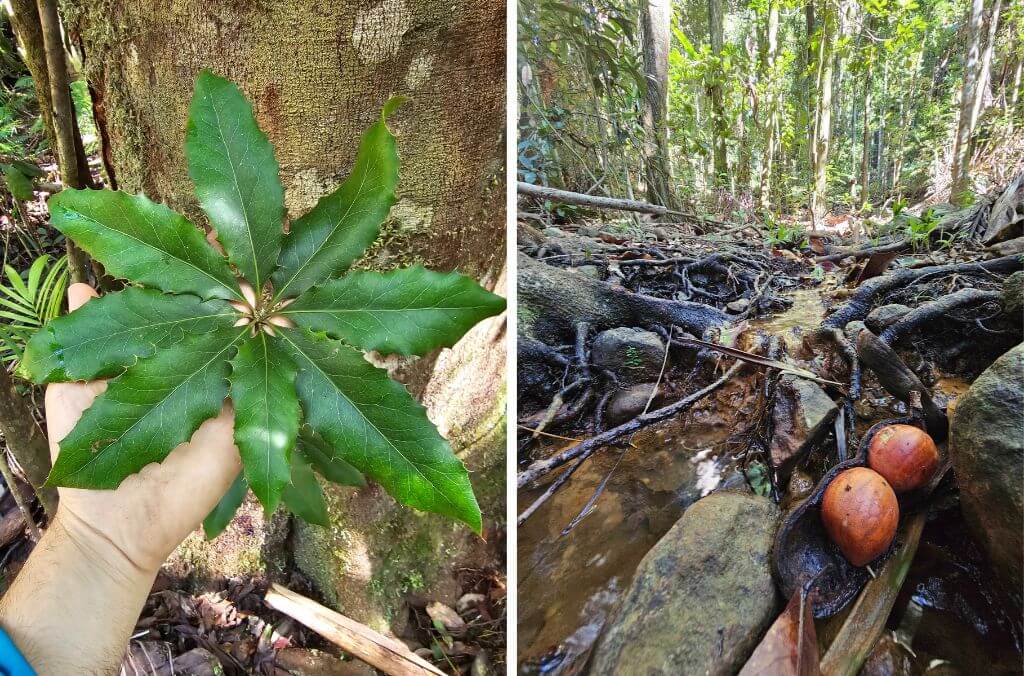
[[570, 581]]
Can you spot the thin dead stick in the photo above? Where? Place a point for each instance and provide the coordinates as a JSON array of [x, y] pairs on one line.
[[377, 650], [12, 486], [762, 361], [594, 444]]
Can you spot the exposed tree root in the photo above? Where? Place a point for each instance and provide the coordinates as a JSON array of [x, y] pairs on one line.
[[936, 309], [555, 300], [862, 301]]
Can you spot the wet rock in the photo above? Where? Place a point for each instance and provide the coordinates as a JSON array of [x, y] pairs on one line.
[[987, 450], [701, 598], [888, 658], [591, 271], [633, 355], [439, 612], [884, 316], [1013, 294], [803, 414], [853, 329], [739, 305], [627, 404]]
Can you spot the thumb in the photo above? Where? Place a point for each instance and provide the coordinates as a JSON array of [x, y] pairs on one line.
[[79, 294]]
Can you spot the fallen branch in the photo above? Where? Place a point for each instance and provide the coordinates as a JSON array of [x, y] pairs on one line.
[[762, 361], [898, 380], [865, 252], [590, 446], [377, 650], [614, 204]]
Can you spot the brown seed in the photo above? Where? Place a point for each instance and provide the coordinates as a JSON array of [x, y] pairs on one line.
[[860, 514], [905, 455]]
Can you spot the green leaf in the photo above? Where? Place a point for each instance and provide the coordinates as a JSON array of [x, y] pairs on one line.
[[408, 311], [18, 183], [109, 333], [146, 412], [324, 242], [266, 415], [232, 165], [374, 424], [142, 241], [303, 496], [323, 459], [218, 519]]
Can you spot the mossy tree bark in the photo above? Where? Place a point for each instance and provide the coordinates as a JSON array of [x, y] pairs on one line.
[[317, 76], [25, 440]]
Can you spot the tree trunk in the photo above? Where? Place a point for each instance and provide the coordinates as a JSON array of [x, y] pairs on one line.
[[74, 170], [25, 21], [822, 134], [985, 73], [716, 32], [865, 164], [25, 441], [769, 53], [1014, 96], [318, 78], [965, 125], [657, 25]]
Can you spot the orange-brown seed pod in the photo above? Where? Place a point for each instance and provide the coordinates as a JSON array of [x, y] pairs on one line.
[[860, 513], [905, 455]]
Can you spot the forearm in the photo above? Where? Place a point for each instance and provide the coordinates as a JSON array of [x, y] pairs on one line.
[[73, 606]]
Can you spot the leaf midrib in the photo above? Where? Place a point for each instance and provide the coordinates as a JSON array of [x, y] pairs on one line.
[[161, 251], [319, 248], [376, 429], [238, 192], [147, 327], [100, 454]]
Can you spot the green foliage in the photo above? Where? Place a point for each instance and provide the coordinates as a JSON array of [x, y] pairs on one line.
[[786, 235], [27, 304], [918, 230], [288, 354]]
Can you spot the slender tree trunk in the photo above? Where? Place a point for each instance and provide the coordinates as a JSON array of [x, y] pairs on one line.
[[317, 80], [769, 53], [73, 172], [985, 73], [716, 32], [965, 125], [25, 21], [822, 138], [865, 173], [657, 32], [25, 441], [1014, 95]]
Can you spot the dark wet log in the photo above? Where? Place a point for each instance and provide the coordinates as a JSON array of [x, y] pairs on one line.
[[898, 380], [552, 301], [860, 304], [936, 309]]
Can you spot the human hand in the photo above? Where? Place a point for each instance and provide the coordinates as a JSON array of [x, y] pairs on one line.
[[151, 512]]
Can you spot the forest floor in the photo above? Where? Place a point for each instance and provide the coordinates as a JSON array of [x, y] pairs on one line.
[[660, 363], [217, 622]]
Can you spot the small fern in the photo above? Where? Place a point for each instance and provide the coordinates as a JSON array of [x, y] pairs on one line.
[[26, 305]]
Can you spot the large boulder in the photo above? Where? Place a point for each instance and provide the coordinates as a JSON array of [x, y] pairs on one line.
[[803, 415], [701, 598], [987, 449], [633, 355]]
